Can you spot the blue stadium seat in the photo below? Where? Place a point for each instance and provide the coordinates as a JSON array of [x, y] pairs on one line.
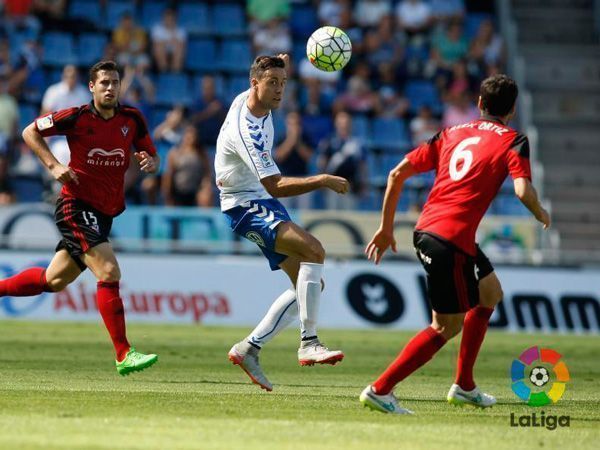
[[201, 55], [228, 19], [473, 22], [421, 92], [236, 85], [152, 11], [173, 89], [317, 128], [27, 114], [194, 17], [85, 9], [389, 134], [90, 48], [27, 188], [303, 21], [59, 49], [361, 127], [234, 56], [115, 10]]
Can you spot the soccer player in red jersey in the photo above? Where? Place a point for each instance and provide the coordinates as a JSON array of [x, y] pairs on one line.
[[471, 162], [100, 136]]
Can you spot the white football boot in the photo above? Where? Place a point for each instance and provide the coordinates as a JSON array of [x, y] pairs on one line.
[[387, 404], [314, 352], [246, 356], [459, 397]]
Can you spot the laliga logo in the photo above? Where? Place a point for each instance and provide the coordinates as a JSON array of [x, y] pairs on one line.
[[530, 375]]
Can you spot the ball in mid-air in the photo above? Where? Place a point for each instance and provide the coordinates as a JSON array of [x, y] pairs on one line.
[[329, 49]]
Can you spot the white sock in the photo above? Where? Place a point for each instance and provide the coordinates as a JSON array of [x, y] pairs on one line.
[[308, 294], [282, 312]]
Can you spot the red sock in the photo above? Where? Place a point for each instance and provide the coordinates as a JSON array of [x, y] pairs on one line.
[[417, 352], [474, 328], [29, 282], [110, 306]]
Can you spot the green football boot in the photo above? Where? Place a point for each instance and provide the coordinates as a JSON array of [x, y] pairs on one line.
[[135, 362]]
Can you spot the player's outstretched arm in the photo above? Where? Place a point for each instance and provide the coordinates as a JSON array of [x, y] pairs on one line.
[[279, 186], [36, 143], [384, 236], [528, 196]]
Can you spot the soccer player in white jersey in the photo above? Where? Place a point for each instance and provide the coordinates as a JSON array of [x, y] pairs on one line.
[[249, 183]]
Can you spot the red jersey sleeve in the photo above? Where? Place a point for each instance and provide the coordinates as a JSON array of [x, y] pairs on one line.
[[425, 157], [142, 140], [57, 123], [517, 158]]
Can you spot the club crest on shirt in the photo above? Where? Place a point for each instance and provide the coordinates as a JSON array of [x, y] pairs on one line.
[[125, 130], [265, 159], [43, 123]]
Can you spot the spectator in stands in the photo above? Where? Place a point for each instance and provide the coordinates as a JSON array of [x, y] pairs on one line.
[[344, 155], [459, 110], [459, 82], [18, 17], [52, 13], [449, 47], [271, 38], [487, 47], [293, 155], [446, 10], [354, 32], [13, 74], [6, 194], [382, 46], [208, 112], [137, 78], [370, 13], [169, 42], [266, 10], [130, 43], [313, 102], [9, 115], [166, 135], [414, 17], [329, 12], [423, 126], [359, 98], [187, 179], [65, 94]]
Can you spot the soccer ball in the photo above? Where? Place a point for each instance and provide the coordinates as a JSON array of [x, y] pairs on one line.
[[539, 376], [329, 49]]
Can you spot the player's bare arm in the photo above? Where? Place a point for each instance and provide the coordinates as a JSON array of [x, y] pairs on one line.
[[37, 144], [528, 196], [384, 237], [279, 186], [147, 162]]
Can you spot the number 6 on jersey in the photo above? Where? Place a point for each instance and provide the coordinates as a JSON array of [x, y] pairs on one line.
[[461, 153]]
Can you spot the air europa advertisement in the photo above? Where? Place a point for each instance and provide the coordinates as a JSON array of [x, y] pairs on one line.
[[239, 290]]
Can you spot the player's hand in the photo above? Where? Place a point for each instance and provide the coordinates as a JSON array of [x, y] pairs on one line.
[[64, 174], [336, 184], [286, 59], [379, 244], [147, 163], [544, 218]]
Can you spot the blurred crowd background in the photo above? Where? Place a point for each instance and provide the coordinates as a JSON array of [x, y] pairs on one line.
[[416, 67]]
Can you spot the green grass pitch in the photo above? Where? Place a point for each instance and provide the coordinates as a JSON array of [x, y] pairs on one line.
[[59, 390]]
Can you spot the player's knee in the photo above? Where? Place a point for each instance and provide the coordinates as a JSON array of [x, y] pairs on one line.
[[492, 297], [110, 272], [57, 284], [448, 329], [315, 252]]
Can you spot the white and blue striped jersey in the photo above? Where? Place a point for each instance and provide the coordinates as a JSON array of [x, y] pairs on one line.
[[243, 155]]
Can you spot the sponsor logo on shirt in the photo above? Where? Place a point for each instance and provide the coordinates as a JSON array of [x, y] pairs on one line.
[[43, 123], [101, 157]]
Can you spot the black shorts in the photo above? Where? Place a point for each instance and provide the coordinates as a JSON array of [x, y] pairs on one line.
[[81, 226], [452, 275]]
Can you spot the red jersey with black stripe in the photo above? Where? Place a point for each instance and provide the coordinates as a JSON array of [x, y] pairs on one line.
[[100, 151], [471, 161]]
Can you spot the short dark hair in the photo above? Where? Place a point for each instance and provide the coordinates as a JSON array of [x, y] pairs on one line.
[[107, 66], [498, 94], [263, 63]]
